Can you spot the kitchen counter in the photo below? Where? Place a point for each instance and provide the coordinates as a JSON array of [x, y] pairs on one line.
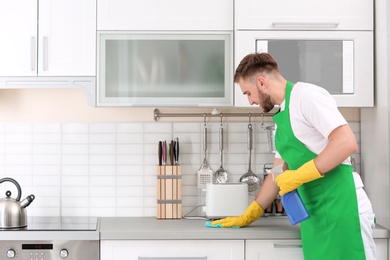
[[149, 228]]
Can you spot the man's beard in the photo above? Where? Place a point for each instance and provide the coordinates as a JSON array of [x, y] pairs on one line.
[[266, 103]]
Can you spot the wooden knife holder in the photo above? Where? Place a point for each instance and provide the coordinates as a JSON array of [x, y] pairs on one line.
[[168, 192]]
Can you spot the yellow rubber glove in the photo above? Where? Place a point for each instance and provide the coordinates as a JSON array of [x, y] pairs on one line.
[[251, 214], [289, 180]]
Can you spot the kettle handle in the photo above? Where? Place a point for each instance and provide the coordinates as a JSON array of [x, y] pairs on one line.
[[16, 184]]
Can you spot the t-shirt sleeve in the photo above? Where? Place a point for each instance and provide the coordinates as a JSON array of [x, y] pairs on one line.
[[320, 110]]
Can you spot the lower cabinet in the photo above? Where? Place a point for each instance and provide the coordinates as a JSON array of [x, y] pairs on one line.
[[292, 249], [274, 249], [382, 252], [172, 249]]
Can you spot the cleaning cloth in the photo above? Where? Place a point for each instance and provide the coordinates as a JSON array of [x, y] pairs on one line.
[[209, 225]]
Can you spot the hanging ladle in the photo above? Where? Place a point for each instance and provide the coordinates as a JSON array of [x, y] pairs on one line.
[[221, 175], [249, 177]]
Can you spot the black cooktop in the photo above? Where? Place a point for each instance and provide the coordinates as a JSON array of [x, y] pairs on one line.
[[62, 223]]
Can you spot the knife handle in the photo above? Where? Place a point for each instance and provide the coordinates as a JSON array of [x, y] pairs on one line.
[[171, 152], [176, 151], [160, 153], [164, 152]]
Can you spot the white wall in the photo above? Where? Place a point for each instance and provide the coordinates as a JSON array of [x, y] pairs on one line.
[[375, 122]]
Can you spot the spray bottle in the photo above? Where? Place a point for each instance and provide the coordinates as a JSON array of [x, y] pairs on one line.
[[292, 202]]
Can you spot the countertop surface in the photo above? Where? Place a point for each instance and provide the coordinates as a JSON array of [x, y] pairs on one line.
[[150, 228]]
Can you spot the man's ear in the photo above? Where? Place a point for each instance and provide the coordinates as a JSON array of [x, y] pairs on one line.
[[261, 83]]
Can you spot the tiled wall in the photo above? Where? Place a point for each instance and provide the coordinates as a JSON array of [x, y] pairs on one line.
[[109, 169]]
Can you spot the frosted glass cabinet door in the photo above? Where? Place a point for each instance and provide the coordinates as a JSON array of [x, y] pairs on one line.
[[327, 63], [339, 61], [165, 69]]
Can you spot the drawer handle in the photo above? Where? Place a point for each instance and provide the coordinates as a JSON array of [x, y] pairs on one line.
[[45, 53], [304, 25], [172, 258], [287, 246]]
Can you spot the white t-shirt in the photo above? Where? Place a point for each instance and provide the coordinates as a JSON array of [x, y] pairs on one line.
[[313, 116]]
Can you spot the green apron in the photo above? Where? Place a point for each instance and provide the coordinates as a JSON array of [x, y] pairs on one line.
[[333, 229]]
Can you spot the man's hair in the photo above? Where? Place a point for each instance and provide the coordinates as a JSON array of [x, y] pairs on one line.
[[254, 63]]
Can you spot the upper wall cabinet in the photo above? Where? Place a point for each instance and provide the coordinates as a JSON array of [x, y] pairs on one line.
[[165, 52], [304, 14], [48, 38], [165, 15]]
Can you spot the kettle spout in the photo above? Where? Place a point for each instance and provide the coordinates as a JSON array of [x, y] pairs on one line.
[[27, 201]]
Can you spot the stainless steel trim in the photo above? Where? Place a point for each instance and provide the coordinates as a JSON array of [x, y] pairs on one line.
[[157, 114], [72, 249]]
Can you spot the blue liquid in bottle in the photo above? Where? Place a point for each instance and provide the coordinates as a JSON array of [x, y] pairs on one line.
[[292, 203], [294, 207]]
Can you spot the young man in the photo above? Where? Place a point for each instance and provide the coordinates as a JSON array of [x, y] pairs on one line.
[[315, 142]]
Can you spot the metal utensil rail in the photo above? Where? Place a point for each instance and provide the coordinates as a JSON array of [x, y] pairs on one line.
[[157, 114]]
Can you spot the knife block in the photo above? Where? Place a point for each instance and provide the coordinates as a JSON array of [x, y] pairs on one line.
[[168, 192]]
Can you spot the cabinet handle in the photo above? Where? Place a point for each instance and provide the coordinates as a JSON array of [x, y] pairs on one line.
[[305, 24], [172, 258], [286, 246], [45, 53], [33, 53]]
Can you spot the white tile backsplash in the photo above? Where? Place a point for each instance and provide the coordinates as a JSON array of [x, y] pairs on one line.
[[39, 149], [71, 128], [46, 138], [73, 149], [108, 169], [47, 128], [22, 138], [18, 128]]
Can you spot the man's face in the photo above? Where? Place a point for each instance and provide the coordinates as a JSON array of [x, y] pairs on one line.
[[255, 95]]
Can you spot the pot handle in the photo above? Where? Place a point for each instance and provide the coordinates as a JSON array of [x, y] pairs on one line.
[[16, 184]]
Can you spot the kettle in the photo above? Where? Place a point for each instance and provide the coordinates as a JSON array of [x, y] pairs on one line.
[[13, 214]]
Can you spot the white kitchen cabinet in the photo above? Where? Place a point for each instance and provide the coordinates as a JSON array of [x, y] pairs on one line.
[[172, 249], [292, 249], [381, 249], [47, 38], [304, 14], [165, 15], [273, 249], [18, 37]]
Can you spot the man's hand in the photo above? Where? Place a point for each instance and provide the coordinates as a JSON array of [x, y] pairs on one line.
[[251, 214], [289, 180]]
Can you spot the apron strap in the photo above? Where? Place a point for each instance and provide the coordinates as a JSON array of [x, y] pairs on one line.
[[288, 93]]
